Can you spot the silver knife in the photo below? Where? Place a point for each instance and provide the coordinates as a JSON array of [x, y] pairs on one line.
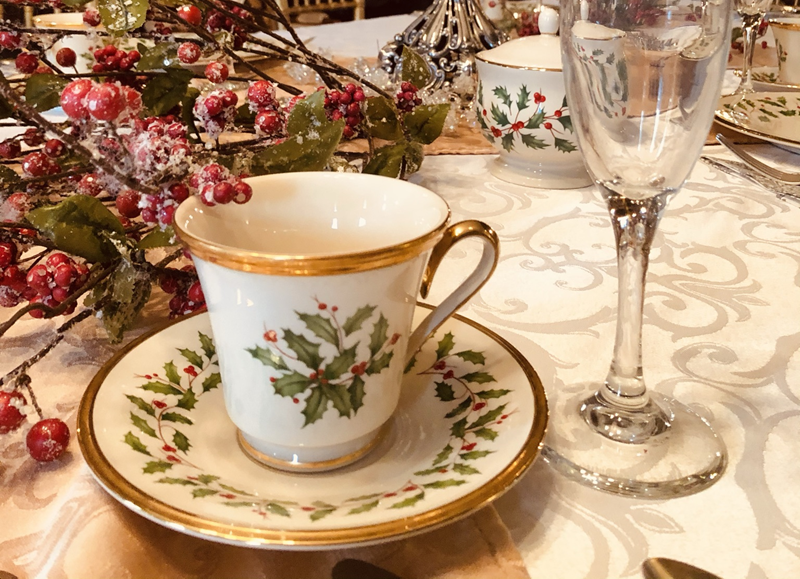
[[741, 170], [661, 568]]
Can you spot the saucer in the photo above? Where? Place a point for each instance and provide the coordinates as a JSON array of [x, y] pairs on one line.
[[765, 78], [153, 428], [771, 116]]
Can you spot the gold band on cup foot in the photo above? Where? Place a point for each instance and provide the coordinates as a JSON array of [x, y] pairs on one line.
[[308, 467]]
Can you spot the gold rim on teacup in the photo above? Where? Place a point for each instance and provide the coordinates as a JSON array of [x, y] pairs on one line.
[[794, 25]]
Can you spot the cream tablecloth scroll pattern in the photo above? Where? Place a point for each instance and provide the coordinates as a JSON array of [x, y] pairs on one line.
[[722, 332]]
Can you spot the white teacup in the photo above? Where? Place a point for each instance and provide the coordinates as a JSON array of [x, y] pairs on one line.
[[311, 288], [787, 44]]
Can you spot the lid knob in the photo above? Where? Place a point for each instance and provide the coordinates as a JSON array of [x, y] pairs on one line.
[[548, 20]]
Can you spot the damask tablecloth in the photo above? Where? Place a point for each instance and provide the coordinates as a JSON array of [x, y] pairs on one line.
[[722, 333]]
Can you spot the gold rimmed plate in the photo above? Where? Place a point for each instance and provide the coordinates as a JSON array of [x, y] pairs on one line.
[[153, 429], [771, 116]]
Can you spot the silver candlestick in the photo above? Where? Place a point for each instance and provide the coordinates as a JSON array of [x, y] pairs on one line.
[[447, 35]]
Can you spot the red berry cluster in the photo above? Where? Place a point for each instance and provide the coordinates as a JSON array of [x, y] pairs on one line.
[[215, 110], [46, 440], [39, 164], [217, 21], [159, 146], [55, 280], [106, 101], [407, 98], [188, 294], [528, 23], [345, 105], [158, 208], [215, 184], [111, 59], [270, 119]]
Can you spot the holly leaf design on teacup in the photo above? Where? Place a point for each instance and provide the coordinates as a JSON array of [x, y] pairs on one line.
[[324, 364]]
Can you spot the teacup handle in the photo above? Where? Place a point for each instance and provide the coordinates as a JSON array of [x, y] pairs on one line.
[[470, 286]]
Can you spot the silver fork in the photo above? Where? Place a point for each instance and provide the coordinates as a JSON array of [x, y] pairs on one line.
[[777, 174]]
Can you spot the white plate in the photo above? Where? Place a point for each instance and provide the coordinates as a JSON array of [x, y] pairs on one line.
[[772, 116], [161, 443]]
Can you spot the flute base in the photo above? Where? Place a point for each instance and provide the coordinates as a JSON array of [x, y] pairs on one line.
[[683, 458]]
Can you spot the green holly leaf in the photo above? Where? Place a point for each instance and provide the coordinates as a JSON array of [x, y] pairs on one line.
[[409, 502], [413, 157], [501, 93], [507, 141], [459, 428], [486, 433], [188, 400], [460, 409], [425, 122], [500, 117], [177, 481], [478, 377], [523, 98], [234, 490], [363, 508], [211, 382], [277, 509], [73, 227], [443, 484], [155, 466], [161, 388], [321, 327], [200, 493], [172, 373], [487, 394], [142, 404], [428, 472], [341, 364], [381, 119], [120, 16], [161, 56], [208, 345], [445, 346], [321, 514], [307, 351], [357, 499], [535, 121], [43, 91], [565, 146], [488, 417], [142, 425], [324, 505], [175, 417], [133, 441], [267, 357], [192, 357], [443, 455], [340, 397], [379, 364], [129, 289], [566, 122], [356, 321], [356, 391], [379, 335], [444, 392], [387, 161], [414, 68], [238, 504], [158, 238], [474, 454], [316, 405], [465, 469], [291, 384], [164, 92], [471, 356], [411, 363], [180, 441], [207, 479]]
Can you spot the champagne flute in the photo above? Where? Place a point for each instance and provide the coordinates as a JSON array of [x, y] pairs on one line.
[[752, 12], [642, 83]]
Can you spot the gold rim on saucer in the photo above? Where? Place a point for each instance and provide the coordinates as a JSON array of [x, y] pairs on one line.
[[249, 535]]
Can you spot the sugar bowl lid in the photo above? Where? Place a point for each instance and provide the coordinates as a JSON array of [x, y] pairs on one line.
[[540, 52]]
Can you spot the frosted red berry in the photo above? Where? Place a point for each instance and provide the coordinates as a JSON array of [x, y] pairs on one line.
[[90, 185], [54, 148], [92, 17], [261, 94], [216, 72], [190, 14], [105, 101], [47, 439], [189, 53], [26, 62], [9, 40], [10, 149], [66, 57], [10, 416], [73, 98], [127, 203]]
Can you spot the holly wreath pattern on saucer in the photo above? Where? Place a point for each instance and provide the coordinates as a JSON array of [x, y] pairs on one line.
[[154, 430]]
